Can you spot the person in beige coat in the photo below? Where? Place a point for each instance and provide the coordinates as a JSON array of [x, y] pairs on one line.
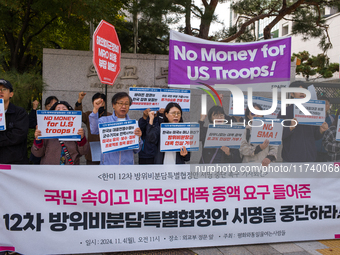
[[259, 153]]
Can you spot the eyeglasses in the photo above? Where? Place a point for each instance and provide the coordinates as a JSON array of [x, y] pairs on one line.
[[175, 113], [4, 89], [121, 104]]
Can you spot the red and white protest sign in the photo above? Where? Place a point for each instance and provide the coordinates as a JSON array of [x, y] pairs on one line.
[[317, 111], [59, 124], [106, 52], [266, 129], [176, 135], [118, 136]]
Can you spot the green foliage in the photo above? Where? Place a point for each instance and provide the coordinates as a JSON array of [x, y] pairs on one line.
[[28, 26], [307, 17], [314, 65], [27, 87]]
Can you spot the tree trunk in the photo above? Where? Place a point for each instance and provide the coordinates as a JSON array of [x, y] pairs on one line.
[[207, 18]]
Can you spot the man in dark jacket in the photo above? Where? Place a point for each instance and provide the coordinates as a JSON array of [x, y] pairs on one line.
[[13, 140], [299, 141]]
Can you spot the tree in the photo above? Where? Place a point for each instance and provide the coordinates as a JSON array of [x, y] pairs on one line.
[[27, 26], [306, 14], [314, 65]]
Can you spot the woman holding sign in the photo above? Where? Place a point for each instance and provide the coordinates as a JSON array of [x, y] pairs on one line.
[[223, 154], [58, 152], [264, 152], [172, 114]]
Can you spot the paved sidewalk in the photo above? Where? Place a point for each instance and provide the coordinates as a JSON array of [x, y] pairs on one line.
[[325, 247]]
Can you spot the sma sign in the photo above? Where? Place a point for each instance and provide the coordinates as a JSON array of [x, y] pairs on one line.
[[106, 52]]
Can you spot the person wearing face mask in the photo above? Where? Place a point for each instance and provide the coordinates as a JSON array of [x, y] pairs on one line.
[[57, 152], [261, 153], [86, 120], [219, 155], [172, 114]]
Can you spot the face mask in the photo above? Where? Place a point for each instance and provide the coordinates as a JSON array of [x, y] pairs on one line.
[[101, 110]]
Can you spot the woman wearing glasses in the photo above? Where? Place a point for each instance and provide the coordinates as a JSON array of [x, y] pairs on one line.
[[264, 152], [216, 155], [172, 114]]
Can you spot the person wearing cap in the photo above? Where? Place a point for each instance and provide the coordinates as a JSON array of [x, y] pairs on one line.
[[86, 120], [56, 152], [13, 140], [121, 102]]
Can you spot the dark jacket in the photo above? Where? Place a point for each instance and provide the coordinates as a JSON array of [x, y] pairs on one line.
[[13, 141], [153, 136], [216, 155], [86, 121], [298, 145], [149, 149]]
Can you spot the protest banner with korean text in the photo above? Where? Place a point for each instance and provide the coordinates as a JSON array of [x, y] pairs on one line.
[[262, 130], [2, 115], [118, 136], [155, 99], [144, 98], [317, 110], [224, 135], [86, 209], [179, 96], [59, 124], [176, 135], [262, 64]]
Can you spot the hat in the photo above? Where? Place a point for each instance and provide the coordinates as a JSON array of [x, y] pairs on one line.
[[61, 102], [7, 84]]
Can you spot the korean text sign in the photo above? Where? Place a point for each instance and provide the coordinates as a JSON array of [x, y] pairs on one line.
[[2, 115], [263, 130], [59, 124], [193, 60], [155, 99], [127, 208], [176, 135], [224, 135], [118, 136], [317, 110], [144, 98]]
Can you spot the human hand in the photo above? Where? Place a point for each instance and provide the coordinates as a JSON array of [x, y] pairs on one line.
[[264, 144], [37, 133], [81, 132], [138, 132], [292, 123], [161, 111], [151, 116], [323, 127], [226, 150], [183, 151], [97, 103], [266, 162], [203, 116], [81, 96]]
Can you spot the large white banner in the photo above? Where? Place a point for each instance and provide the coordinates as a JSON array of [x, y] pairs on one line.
[[86, 209]]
